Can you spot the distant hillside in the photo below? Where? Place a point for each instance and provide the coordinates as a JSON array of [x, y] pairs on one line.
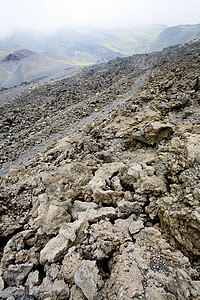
[[50, 55], [25, 65], [129, 41], [85, 46], [75, 47], [176, 35], [18, 55]]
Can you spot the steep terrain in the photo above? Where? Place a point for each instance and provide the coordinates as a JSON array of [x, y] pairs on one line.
[[24, 66], [53, 53], [18, 55], [111, 210], [176, 35], [28, 56]]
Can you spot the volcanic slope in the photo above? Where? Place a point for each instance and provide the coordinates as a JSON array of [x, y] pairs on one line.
[[50, 108], [23, 66], [110, 211]]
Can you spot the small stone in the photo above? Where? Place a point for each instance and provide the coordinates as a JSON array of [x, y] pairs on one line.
[[61, 289], [1, 284], [88, 279], [57, 247], [196, 193], [33, 280], [136, 226], [149, 159]]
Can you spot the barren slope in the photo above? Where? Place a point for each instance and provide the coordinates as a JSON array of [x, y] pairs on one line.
[[111, 210]]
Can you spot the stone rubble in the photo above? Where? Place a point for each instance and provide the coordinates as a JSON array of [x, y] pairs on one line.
[[112, 211]]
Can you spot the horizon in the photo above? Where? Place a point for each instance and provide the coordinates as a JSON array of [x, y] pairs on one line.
[[50, 16]]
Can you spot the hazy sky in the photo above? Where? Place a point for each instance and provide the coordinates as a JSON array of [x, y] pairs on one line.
[[48, 15]]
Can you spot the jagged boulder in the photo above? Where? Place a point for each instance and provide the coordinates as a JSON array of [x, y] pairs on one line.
[[143, 179], [91, 212], [102, 239], [70, 264], [88, 279], [152, 133], [49, 215], [105, 188], [69, 234], [151, 269]]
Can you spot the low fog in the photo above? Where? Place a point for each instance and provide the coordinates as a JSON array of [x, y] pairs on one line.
[[46, 16]]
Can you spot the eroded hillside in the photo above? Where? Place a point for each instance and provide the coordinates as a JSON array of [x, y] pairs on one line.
[[110, 211]]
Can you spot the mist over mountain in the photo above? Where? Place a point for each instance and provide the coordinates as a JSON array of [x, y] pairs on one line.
[[55, 53], [125, 40], [176, 35]]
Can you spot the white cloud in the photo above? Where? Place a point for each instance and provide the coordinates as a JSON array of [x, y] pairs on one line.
[[47, 15], [88, 11]]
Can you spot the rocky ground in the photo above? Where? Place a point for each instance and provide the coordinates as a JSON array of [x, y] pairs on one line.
[[42, 111], [110, 211]]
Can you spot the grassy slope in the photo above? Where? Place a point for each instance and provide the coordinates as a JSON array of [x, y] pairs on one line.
[[132, 41]]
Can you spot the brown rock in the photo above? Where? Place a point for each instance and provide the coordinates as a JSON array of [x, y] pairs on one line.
[[69, 234], [102, 240], [50, 215], [70, 265], [88, 279], [150, 266], [101, 187]]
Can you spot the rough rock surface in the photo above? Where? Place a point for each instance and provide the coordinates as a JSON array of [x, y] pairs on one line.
[[88, 279], [112, 210], [18, 55]]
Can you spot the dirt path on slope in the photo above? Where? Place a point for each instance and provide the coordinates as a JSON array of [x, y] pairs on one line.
[[73, 118]]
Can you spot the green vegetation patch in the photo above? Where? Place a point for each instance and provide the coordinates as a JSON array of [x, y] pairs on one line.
[[127, 42]]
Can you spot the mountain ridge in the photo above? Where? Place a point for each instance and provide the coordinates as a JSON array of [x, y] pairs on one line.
[[83, 47], [176, 35]]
